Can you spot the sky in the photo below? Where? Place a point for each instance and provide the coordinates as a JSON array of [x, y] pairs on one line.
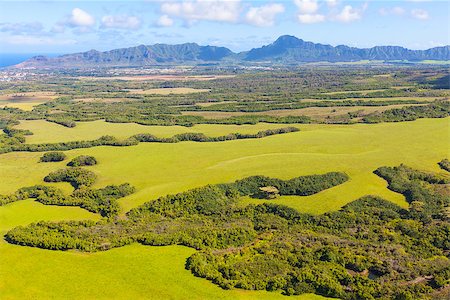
[[76, 26]]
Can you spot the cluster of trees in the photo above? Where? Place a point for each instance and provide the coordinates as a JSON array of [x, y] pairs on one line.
[[82, 160], [369, 249], [11, 136], [423, 191], [445, 164], [102, 201], [300, 186], [108, 140], [77, 177], [53, 156], [437, 109]]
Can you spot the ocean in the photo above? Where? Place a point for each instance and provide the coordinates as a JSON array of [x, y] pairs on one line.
[[10, 59]]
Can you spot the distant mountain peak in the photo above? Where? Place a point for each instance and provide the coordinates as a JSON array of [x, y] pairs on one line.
[[288, 40]]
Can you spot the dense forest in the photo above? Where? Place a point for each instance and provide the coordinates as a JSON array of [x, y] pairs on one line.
[[371, 248]]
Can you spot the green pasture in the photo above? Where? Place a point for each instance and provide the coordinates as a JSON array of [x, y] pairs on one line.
[[47, 132], [155, 169]]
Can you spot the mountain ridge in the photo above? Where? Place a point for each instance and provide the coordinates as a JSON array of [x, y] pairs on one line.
[[286, 49]]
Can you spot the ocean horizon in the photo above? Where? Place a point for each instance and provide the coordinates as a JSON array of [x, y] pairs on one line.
[[10, 59]]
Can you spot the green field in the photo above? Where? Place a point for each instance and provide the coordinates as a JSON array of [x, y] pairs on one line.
[[159, 169], [47, 132]]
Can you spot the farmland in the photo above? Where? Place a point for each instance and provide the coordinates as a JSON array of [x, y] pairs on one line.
[[323, 144]]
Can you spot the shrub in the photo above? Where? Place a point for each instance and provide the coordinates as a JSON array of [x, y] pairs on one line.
[[77, 177], [53, 156], [82, 160]]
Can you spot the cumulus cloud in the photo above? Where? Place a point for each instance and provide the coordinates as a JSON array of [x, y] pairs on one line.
[[164, 21], [420, 14], [307, 6], [350, 14], [209, 10], [307, 11], [80, 18], [264, 15], [310, 18], [121, 22]]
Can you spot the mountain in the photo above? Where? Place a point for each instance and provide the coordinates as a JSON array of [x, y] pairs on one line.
[[134, 56], [286, 50], [290, 49]]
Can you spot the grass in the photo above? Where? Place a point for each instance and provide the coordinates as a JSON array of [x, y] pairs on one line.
[[132, 272], [25, 101], [317, 113], [48, 132], [168, 91], [427, 99], [140, 77], [158, 169]]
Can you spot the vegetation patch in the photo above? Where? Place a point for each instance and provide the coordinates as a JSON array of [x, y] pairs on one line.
[[82, 160], [102, 201], [445, 164], [77, 177], [13, 144], [53, 156], [369, 249], [168, 91]]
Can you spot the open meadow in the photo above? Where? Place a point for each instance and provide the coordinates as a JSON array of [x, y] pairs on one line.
[[157, 169], [27, 100]]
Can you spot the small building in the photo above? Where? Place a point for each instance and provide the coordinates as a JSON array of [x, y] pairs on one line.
[[269, 192]]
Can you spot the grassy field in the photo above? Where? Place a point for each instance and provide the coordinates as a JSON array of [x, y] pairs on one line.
[[365, 91], [132, 272], [159, 169], [158, 77], [168, 91], [25, 101], [427, 99], [317, 113], [48, 132]]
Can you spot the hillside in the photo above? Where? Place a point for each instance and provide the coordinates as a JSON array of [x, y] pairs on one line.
[[286, 50]]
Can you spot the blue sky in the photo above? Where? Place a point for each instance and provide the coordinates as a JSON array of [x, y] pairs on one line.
[[73, 26]]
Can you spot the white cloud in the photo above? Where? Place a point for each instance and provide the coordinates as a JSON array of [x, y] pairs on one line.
[[349, 14], [121, 22], [308, 11], [210, 10], [264, 15], [420, 14], [80, 18], [307, 6], [310, 18], [164, 21]]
